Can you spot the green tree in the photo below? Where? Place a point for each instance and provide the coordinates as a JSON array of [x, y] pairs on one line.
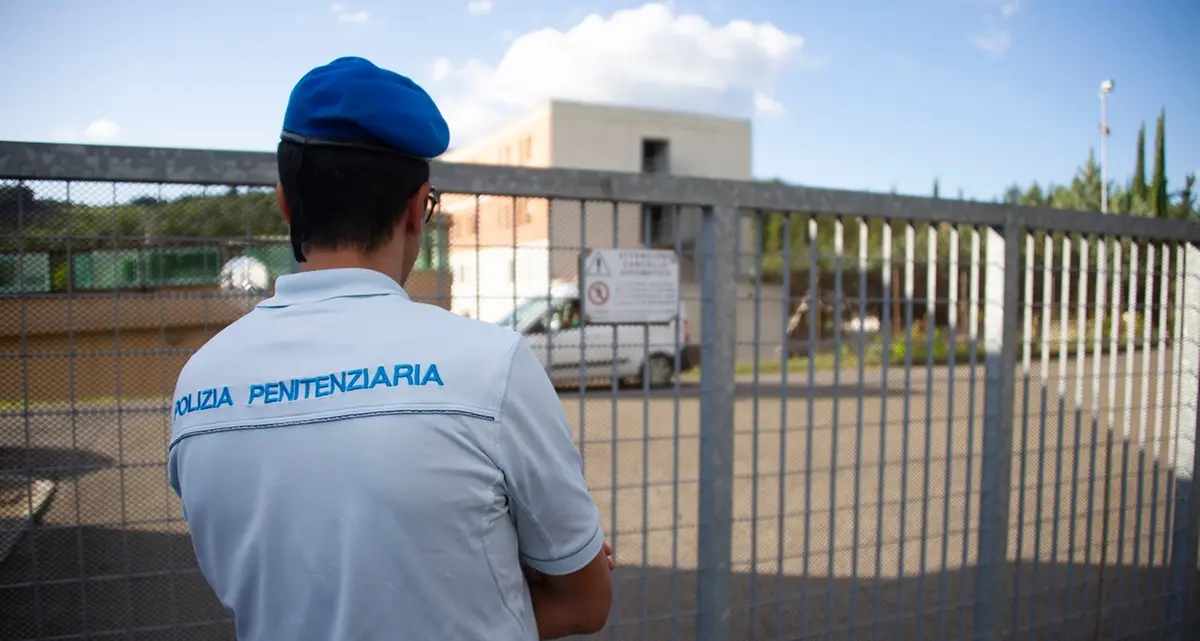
[[936, 190], [1034, 196], [1159, 200], [1185, 205], [1139, 167]]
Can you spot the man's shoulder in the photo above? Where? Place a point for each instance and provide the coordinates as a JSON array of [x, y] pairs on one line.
[[469, 331]]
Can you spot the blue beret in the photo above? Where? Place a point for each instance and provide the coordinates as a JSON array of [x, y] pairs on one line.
[[352, 100]]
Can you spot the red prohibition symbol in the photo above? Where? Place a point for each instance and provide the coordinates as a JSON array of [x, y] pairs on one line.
[[597, 293]]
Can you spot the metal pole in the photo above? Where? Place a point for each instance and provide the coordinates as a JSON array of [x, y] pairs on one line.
[[718, 256], [1180, 620], [1104, 152], [1002, 275], [1105, 88]]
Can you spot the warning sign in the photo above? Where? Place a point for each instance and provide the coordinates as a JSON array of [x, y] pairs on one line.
[[629, 286], [597, 294], [596, 265]]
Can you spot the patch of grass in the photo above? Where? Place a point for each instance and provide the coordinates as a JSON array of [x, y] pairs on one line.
[[899, 353]]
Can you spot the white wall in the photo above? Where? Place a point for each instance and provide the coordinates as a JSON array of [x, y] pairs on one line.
[[607, 138], [483, 284], [573, 135]]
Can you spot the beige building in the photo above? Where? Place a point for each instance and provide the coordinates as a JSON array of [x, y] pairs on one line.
[[502, 249]]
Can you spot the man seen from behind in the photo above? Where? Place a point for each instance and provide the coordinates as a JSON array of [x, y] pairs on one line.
[[355, 465]]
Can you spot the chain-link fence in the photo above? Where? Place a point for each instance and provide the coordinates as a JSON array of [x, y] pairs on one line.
[[877, 417]]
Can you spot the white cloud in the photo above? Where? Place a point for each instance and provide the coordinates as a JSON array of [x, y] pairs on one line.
[[102, 129], [478, 7], [766, 106], [648, 57], [344, 15], [994, 42], [441, 69]]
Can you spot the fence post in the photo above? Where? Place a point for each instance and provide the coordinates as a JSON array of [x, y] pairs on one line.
[[1185, 533], [717, 256], [1002, 273]]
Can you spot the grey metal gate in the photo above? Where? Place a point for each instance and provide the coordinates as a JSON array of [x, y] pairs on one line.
[[911, 418]]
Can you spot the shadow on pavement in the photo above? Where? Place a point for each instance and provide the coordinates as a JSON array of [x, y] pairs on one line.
[[51, 462], [75, 581]]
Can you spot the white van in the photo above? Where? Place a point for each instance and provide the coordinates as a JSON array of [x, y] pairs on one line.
[[573, 351]]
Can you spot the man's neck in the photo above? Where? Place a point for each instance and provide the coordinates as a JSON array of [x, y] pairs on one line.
[[347, 259]]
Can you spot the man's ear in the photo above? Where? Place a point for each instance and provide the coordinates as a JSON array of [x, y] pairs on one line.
[[414, 215], [284, 208]]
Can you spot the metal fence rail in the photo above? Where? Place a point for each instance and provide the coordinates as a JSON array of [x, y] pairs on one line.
[[911, 418]]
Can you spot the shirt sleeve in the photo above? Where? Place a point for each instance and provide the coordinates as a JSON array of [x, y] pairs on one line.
[[558, 524]]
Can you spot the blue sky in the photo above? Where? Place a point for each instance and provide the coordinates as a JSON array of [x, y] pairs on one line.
[[853, 94]]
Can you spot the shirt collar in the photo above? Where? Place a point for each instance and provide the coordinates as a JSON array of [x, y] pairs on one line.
[[325, 284]]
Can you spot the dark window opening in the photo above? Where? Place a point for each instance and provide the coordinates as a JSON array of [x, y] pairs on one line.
[[656, 226]]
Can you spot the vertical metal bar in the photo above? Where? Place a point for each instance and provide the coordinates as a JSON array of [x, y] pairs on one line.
[[1081, 307], [1113, 357], [645, 627], [1143, 421], [1177, 383], [737, 278], [885, 327], [1177, 343], [74, 413], [1064, 324], [478, 269], [439, 237], [975, 300], [679, 309], [23, 340], [719, 291], [1184, 532], [1026, 356], [1128, 405], [583, 361], [909, 295], [166, 391], [1094, 446], [838, 297], [952, 382], [512, 219], [754, 474], [931, 338], [1045, 322], [550, 299], [1160, 385], [614, 618], [863, 240], [126, 555], [785, 354], [999, 336], [813, 305]]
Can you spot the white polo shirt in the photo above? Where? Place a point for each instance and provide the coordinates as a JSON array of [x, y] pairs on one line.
[[354, 465]]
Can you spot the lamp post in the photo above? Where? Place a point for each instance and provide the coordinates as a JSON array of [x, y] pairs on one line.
[[1106, 88]]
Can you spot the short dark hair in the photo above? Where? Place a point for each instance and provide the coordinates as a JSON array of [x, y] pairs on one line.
[[342, 197]]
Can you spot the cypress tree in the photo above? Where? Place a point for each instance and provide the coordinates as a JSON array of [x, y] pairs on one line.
[[1139, 167], [1159, 200]]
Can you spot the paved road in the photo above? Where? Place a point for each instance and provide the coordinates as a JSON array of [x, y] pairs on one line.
[[851, 563]]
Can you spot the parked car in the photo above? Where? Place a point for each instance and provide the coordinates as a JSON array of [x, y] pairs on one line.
[[573, 351]]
